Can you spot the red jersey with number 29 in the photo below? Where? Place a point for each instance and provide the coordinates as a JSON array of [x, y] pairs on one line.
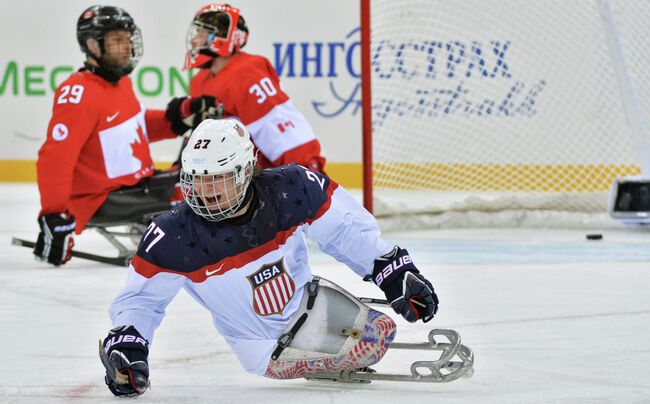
[[97, 141]]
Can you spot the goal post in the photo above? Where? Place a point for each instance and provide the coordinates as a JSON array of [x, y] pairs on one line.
[[500, 106], [366, 110]]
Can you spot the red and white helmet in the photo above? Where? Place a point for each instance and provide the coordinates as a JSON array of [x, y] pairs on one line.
[[216, 30]]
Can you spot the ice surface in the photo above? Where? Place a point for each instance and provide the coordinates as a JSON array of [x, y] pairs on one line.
[[550, 316]]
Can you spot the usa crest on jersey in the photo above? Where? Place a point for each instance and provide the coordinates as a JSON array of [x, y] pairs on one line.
[[273, 288]]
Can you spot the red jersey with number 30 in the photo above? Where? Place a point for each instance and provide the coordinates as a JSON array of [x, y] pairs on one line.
[[249, 88], [97, 141]]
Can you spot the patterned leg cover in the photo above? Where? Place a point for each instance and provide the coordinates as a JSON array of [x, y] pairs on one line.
[[366, 350]]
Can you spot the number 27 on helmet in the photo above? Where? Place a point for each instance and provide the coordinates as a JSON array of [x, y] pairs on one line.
[[217, 167]]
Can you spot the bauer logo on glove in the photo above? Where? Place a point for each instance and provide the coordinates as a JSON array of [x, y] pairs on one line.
[[392, 267], [409, 293]]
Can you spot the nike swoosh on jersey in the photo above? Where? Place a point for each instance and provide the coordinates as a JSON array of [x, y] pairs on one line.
[[208, 273], [110, 118]]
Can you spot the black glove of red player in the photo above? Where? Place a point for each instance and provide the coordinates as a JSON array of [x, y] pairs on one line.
[[55, 240], [187, 113], [410, 294], [126, 352]]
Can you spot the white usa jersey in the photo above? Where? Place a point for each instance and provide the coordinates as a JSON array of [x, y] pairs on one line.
[[249, 272]]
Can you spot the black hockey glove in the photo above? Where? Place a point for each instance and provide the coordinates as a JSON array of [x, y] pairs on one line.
[[55, 241], [187, 113], [409, 293], [125, 360]]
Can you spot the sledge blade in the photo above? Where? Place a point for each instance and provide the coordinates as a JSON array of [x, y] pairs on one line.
[[455, 361]]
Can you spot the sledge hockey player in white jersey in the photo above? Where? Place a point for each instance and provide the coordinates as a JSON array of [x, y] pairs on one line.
[[237, 246]]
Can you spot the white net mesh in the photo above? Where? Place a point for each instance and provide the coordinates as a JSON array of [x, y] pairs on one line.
[[495, 105]]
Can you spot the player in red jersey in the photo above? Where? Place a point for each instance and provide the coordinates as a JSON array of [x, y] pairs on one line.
[[98, 136], [249, 88]]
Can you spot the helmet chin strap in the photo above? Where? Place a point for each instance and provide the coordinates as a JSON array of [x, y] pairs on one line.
[[208, 64], [108, 75]]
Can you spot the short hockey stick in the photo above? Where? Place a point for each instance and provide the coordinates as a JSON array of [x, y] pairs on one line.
[[111, 370], [384, 302], [118, 261]]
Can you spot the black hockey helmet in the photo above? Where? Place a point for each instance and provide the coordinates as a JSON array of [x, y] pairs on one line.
[[97, 21]]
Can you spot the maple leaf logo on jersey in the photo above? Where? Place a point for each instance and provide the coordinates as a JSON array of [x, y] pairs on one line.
[[140, 148], [273, 288]]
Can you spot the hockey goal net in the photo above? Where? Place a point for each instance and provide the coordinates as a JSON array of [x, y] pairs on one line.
[[503, 105]]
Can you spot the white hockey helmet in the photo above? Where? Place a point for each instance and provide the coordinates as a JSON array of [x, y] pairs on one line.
[[217, 167]]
